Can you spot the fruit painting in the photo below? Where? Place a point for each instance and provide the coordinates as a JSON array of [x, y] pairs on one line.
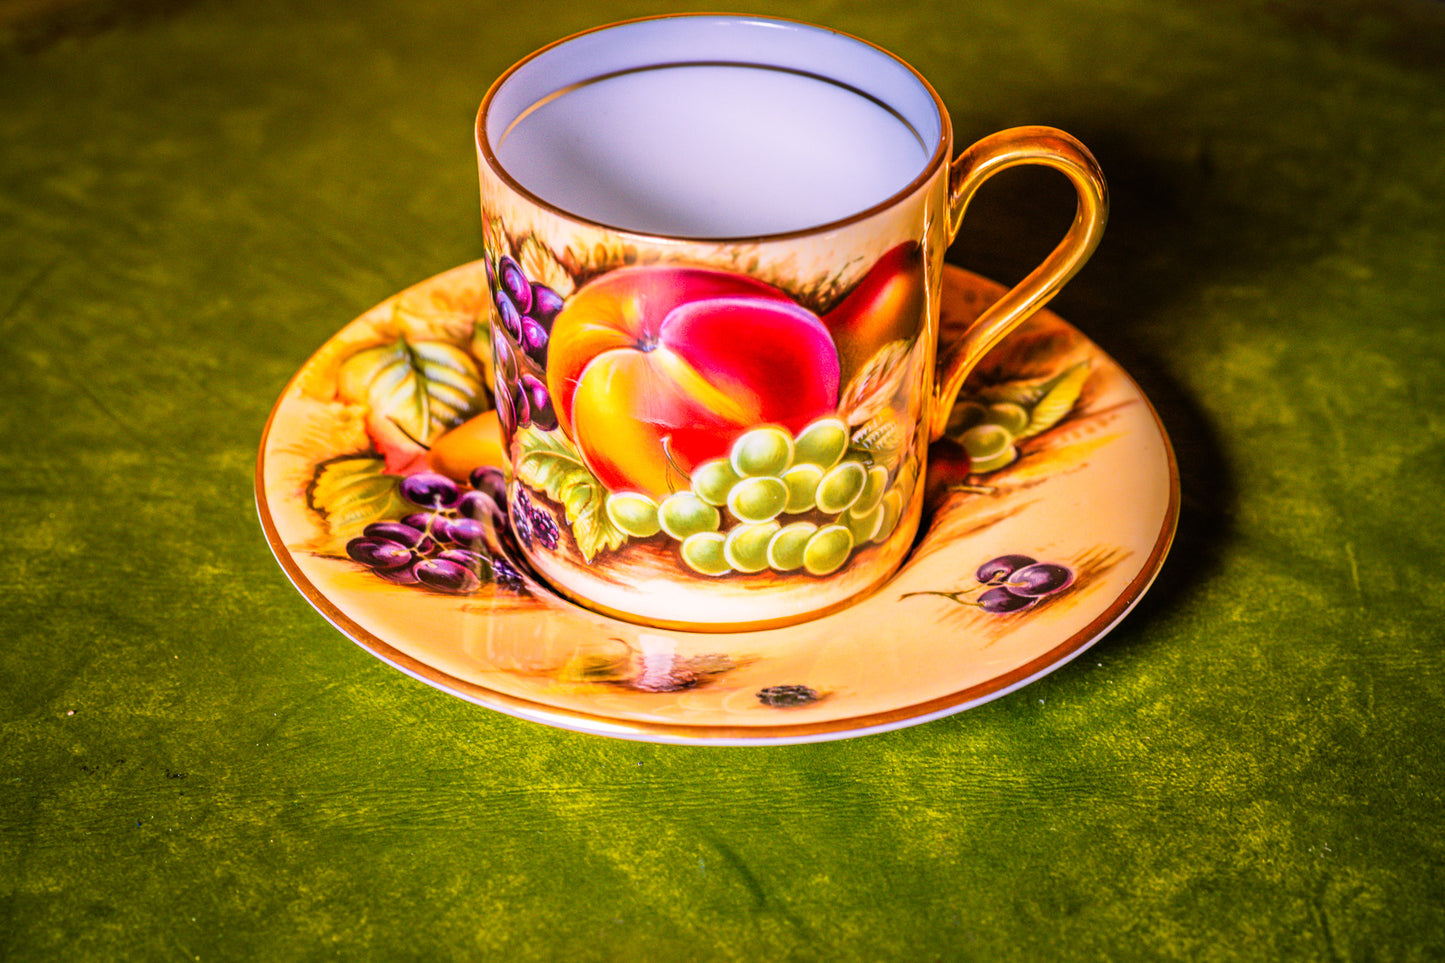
[[678, 419], [673, 418], [399, 491], [703, 420]]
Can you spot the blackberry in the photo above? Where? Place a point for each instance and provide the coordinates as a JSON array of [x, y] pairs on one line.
[[522, 514], [544, 529], [787, 696], [531, 523], [505, 574]]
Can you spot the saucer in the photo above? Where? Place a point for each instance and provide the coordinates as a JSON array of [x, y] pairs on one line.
[[1078, 515]]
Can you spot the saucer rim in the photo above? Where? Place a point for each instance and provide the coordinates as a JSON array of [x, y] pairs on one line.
[[847, 727]]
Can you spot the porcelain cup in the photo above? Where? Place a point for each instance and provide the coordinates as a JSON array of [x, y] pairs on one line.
[[715, 246]]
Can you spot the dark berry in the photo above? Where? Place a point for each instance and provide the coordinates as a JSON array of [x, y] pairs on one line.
[[521, 406], [490, 481], [413, 538], [510, 317], [534, 341], [515, 284], [539, 402], [505, 574], [421, 521], [503, 357], [999, 569], [401, 576], [522, 517], [476, 562], [1000, 601], [465, 531], [430, 489], [441, 529], [506, 414], [544, 529], [446, 575], [546, 304], [381, 554], [478, 506], [1040, 579], [787, 696]]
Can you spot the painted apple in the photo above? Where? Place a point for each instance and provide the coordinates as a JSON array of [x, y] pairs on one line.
[[654, 370], [886, 306]]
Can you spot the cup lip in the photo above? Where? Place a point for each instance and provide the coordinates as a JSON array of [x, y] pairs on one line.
[[930, 169]]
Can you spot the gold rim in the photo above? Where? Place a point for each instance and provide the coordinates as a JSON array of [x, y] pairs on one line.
[[936, 161]]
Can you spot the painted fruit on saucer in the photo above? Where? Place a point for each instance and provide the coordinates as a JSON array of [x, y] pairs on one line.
[[1050, 504]]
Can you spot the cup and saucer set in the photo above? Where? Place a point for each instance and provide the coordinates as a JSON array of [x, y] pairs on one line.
[[711, 446]]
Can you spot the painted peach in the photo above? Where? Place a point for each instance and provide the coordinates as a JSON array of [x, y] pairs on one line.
[[886, 306], [654, 370]]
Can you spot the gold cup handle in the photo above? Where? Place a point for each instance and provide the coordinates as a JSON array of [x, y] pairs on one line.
[[994, 153]]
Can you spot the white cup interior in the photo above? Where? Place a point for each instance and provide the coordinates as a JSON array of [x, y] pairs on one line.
[[713, 127]]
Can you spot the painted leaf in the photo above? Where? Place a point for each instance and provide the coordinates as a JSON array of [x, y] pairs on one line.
[[550, 464], [540, 265], [481, 348], [414, 391], [582, 261], [585, 666], [876, 383], [880, 439], [1060, 394], [352, 491], [1027, 393], [494, 238], [577, 496]]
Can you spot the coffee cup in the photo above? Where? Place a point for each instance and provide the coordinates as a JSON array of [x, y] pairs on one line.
[[715, 246]]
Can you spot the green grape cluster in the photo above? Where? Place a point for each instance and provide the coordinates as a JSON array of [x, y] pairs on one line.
[[735, 516], [989, 433]]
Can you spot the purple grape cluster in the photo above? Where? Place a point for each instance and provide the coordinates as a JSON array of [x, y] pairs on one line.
[[531, 524], [448, 544], [525, 312], [1019, 582]]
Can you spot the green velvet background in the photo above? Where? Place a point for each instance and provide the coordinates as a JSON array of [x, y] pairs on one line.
[[195, 765]]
